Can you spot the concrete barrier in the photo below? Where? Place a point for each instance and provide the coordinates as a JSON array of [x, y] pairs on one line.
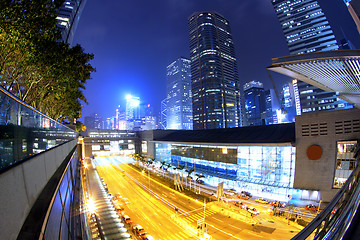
[[21, 185]]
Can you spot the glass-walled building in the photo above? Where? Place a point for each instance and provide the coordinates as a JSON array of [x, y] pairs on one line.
[[265, 170], [257, 159]]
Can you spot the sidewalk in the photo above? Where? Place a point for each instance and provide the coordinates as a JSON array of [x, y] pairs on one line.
[[104, 218]]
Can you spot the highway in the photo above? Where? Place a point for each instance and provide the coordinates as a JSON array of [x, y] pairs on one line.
[[152, 205]]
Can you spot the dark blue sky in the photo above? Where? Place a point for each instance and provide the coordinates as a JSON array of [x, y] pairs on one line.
[[135, 40]]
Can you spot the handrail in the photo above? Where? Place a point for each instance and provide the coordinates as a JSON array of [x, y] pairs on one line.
[[29, 106], [329, 225], [25, 131]]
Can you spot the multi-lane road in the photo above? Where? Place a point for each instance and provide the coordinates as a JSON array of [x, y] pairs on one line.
[[169, 214]]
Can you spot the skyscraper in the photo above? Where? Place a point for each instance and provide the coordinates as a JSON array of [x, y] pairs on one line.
[[163, 118], [271, 106], [132, 113], [288, 103], [307, 30], [214, 74], [255, 108], [68, 18], [178, 88]]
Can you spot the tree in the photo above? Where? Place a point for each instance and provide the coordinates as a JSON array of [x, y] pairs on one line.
[[35, 65]]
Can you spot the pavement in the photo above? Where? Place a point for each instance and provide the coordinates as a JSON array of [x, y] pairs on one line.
[[103, 221]]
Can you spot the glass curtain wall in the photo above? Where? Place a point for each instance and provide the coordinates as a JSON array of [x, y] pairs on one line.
[[261, 169], [345, 162], [62, 216]]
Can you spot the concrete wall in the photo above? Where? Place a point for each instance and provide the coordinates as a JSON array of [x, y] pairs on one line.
[[323, 129], [21, 186]]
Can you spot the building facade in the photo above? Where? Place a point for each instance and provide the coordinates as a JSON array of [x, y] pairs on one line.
[[307, 30], [178, 88], [214, 74], [279, 161], [68, 18], [255, 107]]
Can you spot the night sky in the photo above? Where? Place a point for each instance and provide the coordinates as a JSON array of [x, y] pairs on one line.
[[133, 41]]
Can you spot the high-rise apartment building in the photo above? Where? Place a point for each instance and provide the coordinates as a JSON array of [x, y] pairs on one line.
[[68, 18], [255, 106], [307, 30], [214, 74], [178, 88]]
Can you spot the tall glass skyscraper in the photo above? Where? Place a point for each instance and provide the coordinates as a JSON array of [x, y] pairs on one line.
[[307, 30], [179, 104], [68, 18], [255, 103], [132, 113], [214, 73]]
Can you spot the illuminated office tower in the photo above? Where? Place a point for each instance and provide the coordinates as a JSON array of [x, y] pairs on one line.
[[307, 30], [178, 88], [255, 107], [214, 74], [120, 119], [68, 18], [132, 113], [271, 107], [163, 114], [288, 106]]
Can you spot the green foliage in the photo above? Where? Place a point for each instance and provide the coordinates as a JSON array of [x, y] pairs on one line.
[[35, 66]]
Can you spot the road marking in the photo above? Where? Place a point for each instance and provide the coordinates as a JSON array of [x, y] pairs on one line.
[[254, 234], [217, 219], [235, 227], [199, 215], [218, 229]]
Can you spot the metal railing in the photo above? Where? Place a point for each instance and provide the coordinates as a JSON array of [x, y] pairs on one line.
[[335, 219], [25, 132]]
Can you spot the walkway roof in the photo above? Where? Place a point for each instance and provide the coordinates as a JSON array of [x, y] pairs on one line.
[[332, 71]]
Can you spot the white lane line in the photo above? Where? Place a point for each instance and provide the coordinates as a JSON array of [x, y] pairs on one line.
[[224, 232], [235, 227], [254, 234], [217, 219]]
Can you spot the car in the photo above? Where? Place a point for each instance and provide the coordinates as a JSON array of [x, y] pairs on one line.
[[261, 200], [240, 205], [243, 196], [252, 210], [120, 212], [148, 237], [246, 193], [117, 197], [127, 219], [278, 204], [138, 230], [231, 192], [311, 207]]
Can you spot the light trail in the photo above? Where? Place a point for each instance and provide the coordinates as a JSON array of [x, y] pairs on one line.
[[151, 192]]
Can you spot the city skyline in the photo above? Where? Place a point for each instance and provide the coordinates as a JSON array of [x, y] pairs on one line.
[[131, 54]]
